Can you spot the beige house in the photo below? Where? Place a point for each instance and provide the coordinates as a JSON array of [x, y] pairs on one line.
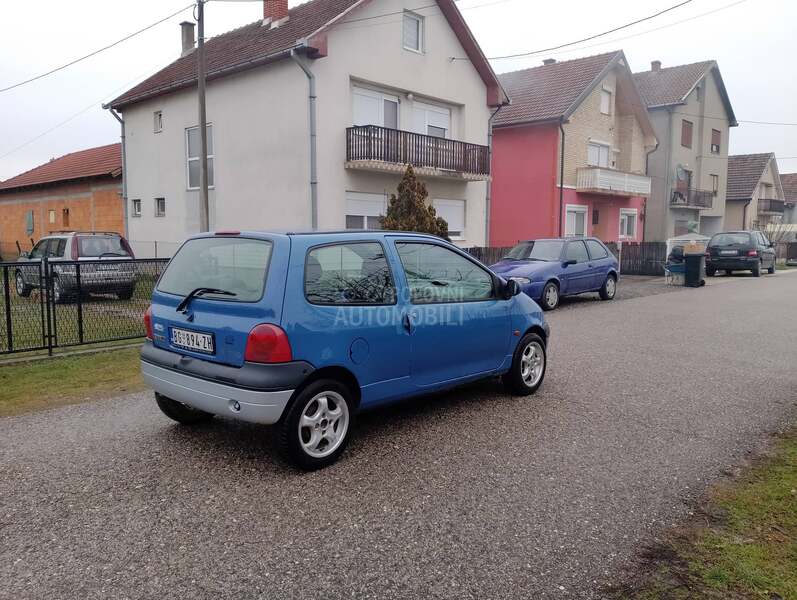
[[313, 114], [692, 115], [755, 196]]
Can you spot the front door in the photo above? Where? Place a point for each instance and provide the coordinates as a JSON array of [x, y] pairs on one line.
[[577, 277], [458, 327]]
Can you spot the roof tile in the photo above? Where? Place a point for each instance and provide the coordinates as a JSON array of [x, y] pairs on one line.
[[744, 173], [94, 162], [670, 85], [789, 183]]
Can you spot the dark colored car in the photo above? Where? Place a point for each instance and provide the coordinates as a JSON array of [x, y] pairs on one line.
[[731, 251], [551, 268]]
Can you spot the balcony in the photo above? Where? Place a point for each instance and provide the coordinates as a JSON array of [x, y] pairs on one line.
[[768, 206], [601, 180], [690, 198], [376, 148]]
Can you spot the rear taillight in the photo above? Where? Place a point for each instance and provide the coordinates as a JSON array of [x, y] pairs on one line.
[[752, 253], [148, 322], [268, 344], [75, 249]]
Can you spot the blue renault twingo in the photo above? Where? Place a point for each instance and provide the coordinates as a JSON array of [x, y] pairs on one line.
[[303, 330]]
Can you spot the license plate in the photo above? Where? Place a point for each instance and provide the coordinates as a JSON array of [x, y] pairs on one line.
[[729, 252], [106, 267], [192, 340]]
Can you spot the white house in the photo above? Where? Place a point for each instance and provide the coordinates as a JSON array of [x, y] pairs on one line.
[[313, 114]]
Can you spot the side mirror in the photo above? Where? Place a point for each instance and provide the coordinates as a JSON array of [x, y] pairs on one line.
[[511, 289], [567, 263]]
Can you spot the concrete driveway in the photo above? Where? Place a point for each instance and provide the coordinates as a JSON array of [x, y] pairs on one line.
[[470, 494]]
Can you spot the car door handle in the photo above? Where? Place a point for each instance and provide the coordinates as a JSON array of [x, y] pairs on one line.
[[408, 324]]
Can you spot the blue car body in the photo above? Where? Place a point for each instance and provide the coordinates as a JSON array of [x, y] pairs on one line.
[[587, 275], [386, 351]]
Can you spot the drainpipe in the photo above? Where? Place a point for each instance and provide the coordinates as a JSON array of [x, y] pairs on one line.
[[124, 167], [561, 176], [311, 100], [489, 196], [647, 169]]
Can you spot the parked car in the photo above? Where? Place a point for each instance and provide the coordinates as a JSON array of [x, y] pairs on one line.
[[551, 268], [304, 330], [740, 251], [107, 267]]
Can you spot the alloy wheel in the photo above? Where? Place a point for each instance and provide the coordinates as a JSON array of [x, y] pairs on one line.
[[532, 364], [20, 283], [552, 296], [323, 424], [611, 287]]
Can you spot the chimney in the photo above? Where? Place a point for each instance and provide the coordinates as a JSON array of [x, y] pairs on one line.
[[549, 61], [187, 29], [275, 12], [655, 65]]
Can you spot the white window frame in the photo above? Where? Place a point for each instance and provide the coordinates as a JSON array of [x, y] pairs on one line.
[[136, 207], [364, 204], [453, 203], [623, 223], [157, 121], [421, 31], [600, 146], [51, 216], [381, 97], [432, 108], [606, 95], [160, 213], [576, 208], [188, 159]]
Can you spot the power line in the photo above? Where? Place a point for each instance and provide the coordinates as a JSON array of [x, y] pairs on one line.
[[597, 35], [77, 60]]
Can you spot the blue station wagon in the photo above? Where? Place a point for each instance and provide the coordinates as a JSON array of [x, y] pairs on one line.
[[304, 330]]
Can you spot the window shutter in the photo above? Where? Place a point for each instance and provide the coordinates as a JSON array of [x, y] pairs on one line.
[[686, 133], [716, 137]]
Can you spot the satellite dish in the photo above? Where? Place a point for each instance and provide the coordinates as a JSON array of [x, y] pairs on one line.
[[680, 173]]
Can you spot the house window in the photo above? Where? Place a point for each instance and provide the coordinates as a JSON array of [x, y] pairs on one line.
[[160, 207], [453, 211], [370, 107], [192, 156], [715, 184], [363, 210], [431, 120], [157, 121], [576, 220], [716, 141], [136, 208], [606, 102], [595, 216], [686, 133], [413, 32], [65, 217], [29, 222], [597, 155], [628, 217], [51, 216]]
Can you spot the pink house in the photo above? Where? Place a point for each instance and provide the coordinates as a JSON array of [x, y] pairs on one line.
[[570, 153]]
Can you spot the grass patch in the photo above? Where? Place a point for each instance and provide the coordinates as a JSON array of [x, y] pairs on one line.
[[742, 544], [53, 382]]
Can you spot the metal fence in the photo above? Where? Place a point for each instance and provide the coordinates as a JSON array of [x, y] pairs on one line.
[[55, 304]]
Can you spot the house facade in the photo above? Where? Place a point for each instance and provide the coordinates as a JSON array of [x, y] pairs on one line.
[[788, 182], [755, 198], [569, 153], [313, 115], [80, 191], [692, 116]]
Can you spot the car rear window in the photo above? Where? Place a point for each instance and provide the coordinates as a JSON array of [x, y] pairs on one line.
[[237, 265], [729, 239], [102, 245]]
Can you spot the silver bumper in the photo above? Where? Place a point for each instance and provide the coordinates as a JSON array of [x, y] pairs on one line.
[[216, 398]]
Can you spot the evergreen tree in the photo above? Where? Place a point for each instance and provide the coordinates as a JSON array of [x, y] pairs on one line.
[[408, 210]]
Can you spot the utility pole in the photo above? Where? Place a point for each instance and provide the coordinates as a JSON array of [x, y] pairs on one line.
[[204, 221]]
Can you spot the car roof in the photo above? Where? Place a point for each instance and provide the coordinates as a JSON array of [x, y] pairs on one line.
[[562, 239], [336, 234]]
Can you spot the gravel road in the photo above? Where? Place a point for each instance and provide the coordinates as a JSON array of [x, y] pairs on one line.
[[469, 494]]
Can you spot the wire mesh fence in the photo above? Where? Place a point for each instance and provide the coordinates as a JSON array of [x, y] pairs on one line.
[[52, 304]]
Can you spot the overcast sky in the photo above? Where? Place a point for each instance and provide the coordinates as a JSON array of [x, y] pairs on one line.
[[753, 40]]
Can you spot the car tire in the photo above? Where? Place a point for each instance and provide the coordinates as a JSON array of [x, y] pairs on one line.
[[728, 272], [609, 288], [757, 270], [711, 272], [317, 426], [177, 411], [23, 289], [126, 293], [549, 299], [527, 372]]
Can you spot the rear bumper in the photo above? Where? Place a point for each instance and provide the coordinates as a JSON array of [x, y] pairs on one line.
[[733, 262], [255, 393]]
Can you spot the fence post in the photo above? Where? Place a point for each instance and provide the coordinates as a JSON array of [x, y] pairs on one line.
[[7, 298], [620, 255], [45, 293], [79, 303]]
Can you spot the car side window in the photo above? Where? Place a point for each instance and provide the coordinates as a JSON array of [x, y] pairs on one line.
[[436, 274], [39, 249], [577, 251], [596, 250], [57, 247], [348, 274]]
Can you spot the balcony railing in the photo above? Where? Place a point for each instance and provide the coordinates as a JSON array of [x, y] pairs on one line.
[[375, 145], [601, 180], [771, 206], [689, 198]]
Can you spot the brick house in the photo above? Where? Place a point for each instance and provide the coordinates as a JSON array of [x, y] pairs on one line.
[[78, 191], [569, 153], [755, 198]]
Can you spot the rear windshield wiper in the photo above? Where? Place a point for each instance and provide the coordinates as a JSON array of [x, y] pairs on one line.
[[201, 291]]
